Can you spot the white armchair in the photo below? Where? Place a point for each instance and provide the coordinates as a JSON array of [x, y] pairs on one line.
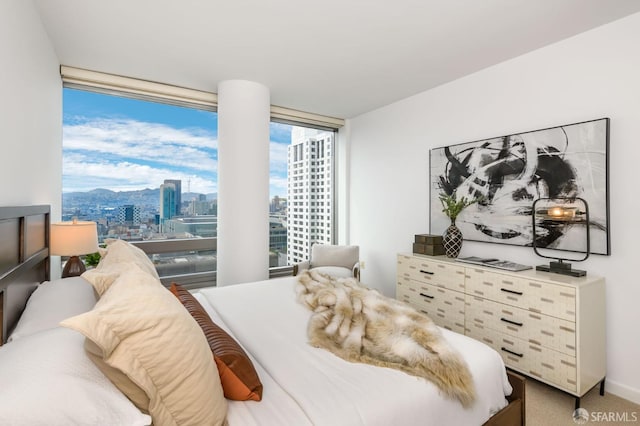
[[334, 260]]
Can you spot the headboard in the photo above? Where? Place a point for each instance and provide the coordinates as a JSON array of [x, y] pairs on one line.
[[24, 259]]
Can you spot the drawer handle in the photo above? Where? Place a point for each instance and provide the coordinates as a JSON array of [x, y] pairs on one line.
[[426, 272], [511, 352], [519, 293], [519, 324], [426, 295]]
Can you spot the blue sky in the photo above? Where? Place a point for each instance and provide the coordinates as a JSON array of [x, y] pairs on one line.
[[125, 144]]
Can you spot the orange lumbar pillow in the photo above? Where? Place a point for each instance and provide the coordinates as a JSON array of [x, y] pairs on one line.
[[240, 381]]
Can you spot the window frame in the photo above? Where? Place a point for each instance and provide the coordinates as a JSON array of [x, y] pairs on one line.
[[116, 85]]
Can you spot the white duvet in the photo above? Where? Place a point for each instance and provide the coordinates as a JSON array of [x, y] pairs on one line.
[[307, 385]]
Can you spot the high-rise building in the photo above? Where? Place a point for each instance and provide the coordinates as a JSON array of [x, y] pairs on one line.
[[310, 191], [202, 206], [129, 214], [277, 205], [177, 183], [167, 203]]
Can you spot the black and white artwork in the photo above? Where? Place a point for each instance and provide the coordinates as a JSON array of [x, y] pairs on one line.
[[509, 173]]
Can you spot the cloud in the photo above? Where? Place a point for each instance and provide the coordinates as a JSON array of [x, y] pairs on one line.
[[125, 154], [279, 132], [126, 139], [277, 186], [87, 175], [278, 156]]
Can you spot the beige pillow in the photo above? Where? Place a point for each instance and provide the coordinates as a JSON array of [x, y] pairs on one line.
[[334, 255], [141, 330], [119, 256], [117, 377]]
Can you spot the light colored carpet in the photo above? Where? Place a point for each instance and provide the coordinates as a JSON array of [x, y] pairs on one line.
[[547, 406]]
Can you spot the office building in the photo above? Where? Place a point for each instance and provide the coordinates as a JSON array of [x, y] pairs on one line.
[[310, 210]]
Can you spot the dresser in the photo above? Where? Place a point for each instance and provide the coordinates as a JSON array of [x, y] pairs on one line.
[[548, 326]]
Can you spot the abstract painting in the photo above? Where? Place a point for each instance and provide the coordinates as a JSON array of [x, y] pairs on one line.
[[508, 173]]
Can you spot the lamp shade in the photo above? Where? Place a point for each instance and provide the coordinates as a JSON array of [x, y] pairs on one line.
[[73, 238]]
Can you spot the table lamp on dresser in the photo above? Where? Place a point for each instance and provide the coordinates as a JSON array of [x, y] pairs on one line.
[[73, 239], [561, 224]]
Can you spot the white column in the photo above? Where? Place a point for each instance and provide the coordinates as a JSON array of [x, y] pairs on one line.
[[243, 182]]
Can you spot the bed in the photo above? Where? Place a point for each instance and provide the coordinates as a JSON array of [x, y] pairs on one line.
[[52, 374]]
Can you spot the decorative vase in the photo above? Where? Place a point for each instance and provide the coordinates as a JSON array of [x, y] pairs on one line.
[[452, 240]]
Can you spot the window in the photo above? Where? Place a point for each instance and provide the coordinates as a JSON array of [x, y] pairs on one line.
[[292, 186], [180, 172], [145, 172]]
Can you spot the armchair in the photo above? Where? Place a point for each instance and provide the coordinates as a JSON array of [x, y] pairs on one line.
[[335, 260]]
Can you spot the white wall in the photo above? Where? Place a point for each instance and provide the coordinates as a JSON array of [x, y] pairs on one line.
[[30, 110], [590, 76]]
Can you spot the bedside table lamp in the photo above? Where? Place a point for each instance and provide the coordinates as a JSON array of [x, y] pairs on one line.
[[561, 224], [73, 239]]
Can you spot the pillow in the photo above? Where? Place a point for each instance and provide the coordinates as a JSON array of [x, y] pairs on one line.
[[142, 331], [334, 255], [335, 271], [238, 376], [47, 379], [118, 257], [53, 301]]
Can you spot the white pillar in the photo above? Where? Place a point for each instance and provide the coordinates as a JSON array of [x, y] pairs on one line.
[[243, 182]]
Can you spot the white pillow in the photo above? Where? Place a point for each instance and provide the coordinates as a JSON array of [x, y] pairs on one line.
[[53, 301], [47, 379]]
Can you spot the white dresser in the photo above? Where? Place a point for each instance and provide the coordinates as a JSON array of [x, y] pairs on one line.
[[547, 326]]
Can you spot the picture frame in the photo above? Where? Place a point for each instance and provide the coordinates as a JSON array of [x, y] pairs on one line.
[[508, 173]]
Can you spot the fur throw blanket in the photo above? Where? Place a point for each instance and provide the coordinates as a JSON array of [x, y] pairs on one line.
[[359, 324]]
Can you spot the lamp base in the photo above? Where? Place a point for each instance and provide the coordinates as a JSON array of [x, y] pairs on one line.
[[561, 268], [73, 268]]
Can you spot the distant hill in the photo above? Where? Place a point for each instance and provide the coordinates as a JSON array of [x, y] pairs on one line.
[[106, 197]]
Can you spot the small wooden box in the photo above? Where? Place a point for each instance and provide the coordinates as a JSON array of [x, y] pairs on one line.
[[430, 249], [428, 239]]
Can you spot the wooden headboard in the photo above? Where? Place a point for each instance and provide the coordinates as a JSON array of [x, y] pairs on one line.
[[24, 259]]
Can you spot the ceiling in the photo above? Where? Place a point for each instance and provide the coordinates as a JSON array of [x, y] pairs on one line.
[[339, 58]]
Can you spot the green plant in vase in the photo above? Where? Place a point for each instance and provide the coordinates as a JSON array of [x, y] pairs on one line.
[[92, 259], [452, 207]]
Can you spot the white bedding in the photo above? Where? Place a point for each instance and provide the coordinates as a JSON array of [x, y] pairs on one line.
[[306, 385]]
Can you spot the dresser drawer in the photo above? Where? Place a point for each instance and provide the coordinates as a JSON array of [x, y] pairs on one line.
[[436, 273], [531, 359], [532, 327], [535, 296], [444, 307], [556, 300]]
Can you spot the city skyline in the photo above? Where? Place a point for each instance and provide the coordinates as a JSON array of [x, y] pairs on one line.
[[124, 144]]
